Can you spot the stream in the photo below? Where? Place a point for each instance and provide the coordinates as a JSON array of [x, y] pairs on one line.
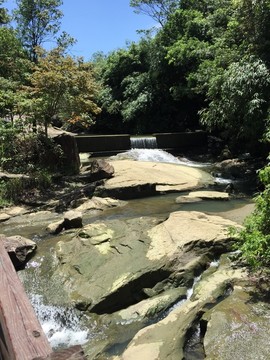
[[64, 325]]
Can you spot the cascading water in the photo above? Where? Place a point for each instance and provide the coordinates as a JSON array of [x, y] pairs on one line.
[[62, 325], [144, 142], [157, 155]]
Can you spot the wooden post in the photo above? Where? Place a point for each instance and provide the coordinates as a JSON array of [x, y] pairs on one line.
[[21, 335]]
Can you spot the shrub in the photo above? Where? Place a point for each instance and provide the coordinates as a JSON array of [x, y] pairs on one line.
[[30, 152], [254, 240]]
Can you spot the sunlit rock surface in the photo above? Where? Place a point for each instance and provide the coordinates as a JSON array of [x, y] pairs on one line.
[[108, 266], [145, 178]]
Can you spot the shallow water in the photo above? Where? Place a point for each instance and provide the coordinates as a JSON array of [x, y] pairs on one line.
[[62, 325]]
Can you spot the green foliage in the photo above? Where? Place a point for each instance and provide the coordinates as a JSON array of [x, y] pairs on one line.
[[240, 99], [61, 86], [254, 240], [4, 18], [13, 62], [25, 153]]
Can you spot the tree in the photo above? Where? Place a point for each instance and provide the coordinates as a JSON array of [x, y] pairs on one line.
[[64, 87], [4, 18], [240, 103], [159, 10], [38, 21], [13, 59]]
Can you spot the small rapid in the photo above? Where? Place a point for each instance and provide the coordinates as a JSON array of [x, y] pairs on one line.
[[157, 155], [61, 325]]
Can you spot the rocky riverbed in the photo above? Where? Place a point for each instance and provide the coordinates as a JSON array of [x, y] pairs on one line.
[[146, 284]]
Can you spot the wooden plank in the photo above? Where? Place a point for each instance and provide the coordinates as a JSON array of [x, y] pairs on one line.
[[24, 338]]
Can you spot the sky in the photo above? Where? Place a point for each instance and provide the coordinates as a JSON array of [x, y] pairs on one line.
[[99, 25]]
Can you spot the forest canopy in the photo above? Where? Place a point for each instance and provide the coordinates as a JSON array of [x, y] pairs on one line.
[[206, 66]]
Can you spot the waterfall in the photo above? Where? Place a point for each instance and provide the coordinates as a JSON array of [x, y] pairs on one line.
[[145, 142]]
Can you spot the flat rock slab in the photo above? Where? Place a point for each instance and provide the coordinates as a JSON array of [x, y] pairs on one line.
[[165, 177], [202, 195]]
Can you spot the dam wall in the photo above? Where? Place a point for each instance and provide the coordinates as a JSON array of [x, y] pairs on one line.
[[112, 144]]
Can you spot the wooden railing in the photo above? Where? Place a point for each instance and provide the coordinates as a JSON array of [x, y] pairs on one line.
[[21, 335]]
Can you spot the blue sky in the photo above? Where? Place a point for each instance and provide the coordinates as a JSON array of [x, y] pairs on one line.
[[100, 25]]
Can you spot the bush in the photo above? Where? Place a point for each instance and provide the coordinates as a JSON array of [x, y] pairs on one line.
[[255, 238], [25, 153]]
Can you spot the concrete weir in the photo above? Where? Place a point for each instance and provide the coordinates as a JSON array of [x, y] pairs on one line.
[[101, 145]]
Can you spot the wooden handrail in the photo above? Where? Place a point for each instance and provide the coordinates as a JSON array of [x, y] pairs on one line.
[[21, 335]]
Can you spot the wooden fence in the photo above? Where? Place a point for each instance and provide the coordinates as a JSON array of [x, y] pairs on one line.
[[21, 335]]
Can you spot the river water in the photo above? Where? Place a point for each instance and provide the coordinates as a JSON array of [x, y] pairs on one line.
[[63, 325]]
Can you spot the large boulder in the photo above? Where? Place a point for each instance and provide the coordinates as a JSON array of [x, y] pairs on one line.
[[97, 170], [171, 338], [133, 179], [130, 256]]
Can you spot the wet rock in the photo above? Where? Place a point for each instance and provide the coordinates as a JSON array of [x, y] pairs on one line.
[[237, 327], [56, 227], [167, 338], [73, 353], [19, 249], [134, 255], [202, 195], [72, 220], [150, 308]]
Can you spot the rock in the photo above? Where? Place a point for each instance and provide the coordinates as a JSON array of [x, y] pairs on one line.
[[233, 168], [130, 256], [97, 170], [237, 327], [167, 338], [238, 216], [72, 353], [149, 308], [71, 198], [4, 217], [15, 211], [186, 230], [72, 220], [56, 227], [202, 195], [19, 249], [135, 179], [97, 203]]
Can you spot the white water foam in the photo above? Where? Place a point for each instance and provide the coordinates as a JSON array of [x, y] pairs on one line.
[[60, 325], [182, 301], [156, 155]]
